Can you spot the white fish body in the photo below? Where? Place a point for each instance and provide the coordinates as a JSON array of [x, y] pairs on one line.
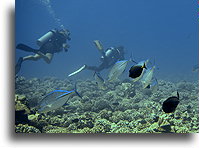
[[147, 77], [154, 85], [99, 80], [117, 69], [54, 100]]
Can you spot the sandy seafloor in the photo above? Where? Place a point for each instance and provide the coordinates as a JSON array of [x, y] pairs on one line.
[[122, 107]]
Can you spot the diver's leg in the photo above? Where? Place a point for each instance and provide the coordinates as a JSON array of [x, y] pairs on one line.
[[48, 57], [21, 59], [32, 57]]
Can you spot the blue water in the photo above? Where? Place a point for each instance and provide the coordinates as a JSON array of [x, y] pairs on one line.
[[166, 31]]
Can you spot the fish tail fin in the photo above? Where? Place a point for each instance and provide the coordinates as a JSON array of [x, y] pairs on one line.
[[144, 66], [177, 95], [76, 91]]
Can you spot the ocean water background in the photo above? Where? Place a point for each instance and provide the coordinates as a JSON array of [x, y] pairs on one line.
[[166, 31]]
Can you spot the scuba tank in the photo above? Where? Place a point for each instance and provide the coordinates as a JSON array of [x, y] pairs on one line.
[[45, 38], [109, 52]]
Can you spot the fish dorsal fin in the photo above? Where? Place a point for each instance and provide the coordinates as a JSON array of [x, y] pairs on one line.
[[97, 74], [94, 73]]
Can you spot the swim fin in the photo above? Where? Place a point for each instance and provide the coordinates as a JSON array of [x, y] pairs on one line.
[[18, 65], [26, 48], [77, 71]]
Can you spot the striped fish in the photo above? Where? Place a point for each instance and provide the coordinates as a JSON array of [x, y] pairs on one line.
[[55, 99], [147, 77], [117, 69]]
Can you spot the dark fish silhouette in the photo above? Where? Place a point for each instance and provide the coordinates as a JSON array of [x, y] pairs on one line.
[[136, 71], [75, 120], [21, 117], [115, 103], [170, 104]]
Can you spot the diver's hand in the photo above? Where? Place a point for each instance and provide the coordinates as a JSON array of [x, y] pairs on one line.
[[65, 47]]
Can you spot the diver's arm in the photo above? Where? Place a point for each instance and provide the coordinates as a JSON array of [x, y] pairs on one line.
[[47, 57], [95, 68]]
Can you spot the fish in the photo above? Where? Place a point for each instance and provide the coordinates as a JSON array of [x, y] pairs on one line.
[[99, 80], [146, 79], [136, 72], [55, 100], [21, 117], [170, 104], [115, 103], [117, 69], [154, 85]]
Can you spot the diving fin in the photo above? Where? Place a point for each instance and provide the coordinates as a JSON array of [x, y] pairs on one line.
[[77, 71], [18, 65], [98, 45], [26, 48]]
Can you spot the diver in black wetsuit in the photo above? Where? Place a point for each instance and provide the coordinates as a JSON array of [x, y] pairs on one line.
[[108, 58], [52, 42]]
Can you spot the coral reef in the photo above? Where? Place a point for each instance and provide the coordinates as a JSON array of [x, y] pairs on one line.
[[20, 128], [123, 107]]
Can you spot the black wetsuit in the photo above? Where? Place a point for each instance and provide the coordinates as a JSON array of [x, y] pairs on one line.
[[107, 62], [54, 45]]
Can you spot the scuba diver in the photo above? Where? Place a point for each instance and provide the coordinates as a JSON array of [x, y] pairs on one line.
[[52, 42], [109, 57]]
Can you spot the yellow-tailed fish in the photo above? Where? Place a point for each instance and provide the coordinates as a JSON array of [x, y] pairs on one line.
[[136, 72]]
